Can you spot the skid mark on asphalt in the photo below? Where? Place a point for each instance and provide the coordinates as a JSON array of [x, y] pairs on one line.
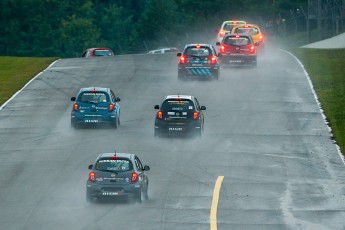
[[214, 206]]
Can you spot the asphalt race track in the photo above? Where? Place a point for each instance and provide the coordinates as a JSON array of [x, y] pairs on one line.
[[264, 133]]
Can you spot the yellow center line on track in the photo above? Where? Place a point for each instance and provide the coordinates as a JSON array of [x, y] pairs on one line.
[[214, 207]]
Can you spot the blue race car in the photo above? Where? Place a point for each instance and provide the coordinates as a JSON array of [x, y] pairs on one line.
[[95, 105]]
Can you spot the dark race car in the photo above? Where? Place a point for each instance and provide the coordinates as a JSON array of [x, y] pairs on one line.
[[238, 49], [179, 114], [95, 105], [117, 175], [199, 61]]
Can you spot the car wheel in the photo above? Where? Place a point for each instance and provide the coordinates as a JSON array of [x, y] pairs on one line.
[[138, 196], [156, 133], [146, 192], [180, 76], [74, 125], [198, 133], [217, 75], [115, 124], [89, 198]]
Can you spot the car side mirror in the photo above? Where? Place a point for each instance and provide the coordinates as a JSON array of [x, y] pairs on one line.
[[219, 54], [118, 99], [178, 54], [90, 167], [257, 44], [203, 107], [217, 43], [73, 98], [146, 168], [156, 107]]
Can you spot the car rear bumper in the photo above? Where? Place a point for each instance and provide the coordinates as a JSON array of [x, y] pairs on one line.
[[238, 59], [176, 128], [78, 118], [198, 72], [97, 190]]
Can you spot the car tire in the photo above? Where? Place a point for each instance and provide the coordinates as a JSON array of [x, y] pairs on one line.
[[115, 124], [74, 125], [146, 193], [217, 75], [89, 198], [180, 76], [138, 196], [198, 133], [156, 133]]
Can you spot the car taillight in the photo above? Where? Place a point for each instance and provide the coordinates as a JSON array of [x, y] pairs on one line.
[[222, 49], [111, 107], [159, 115], [76, 107], [213, 60], [221, 33], [261, 37], [92, 176], [183, 60], [252, 49], [135, 177], [195, 115]]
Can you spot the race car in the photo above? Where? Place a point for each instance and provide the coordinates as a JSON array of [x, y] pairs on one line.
[[226, 27], [95, 105], [98, 52], [179, 114], [254, 31], [198, 61], [117, 175], [238, 49]]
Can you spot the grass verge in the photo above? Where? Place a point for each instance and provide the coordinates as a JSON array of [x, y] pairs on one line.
[[327, 72], [17, 71]]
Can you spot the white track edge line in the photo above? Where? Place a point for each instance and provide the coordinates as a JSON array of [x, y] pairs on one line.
[[14, 95], [317, 100]]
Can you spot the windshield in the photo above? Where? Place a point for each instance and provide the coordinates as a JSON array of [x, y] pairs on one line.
[[244, 30], [238, 41], [93, 97], [199, 52], [102, 53], [114, 165]]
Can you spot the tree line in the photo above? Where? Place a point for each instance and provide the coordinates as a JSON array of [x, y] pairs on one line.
[[64, 28]]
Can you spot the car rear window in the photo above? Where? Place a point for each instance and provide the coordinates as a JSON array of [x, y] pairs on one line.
[[114, 164], [93, 97], [198, 52], [102, 53], [177, 105], [228, 27], [238, 41], [244, 30]]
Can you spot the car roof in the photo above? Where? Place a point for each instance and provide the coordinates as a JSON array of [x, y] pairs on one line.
[[95, 88], [239, 34], [178, 96], [247, 26], [234, 21], [124, 155], [99, 48], [198, 44]]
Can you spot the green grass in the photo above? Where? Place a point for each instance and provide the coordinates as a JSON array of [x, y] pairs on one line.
[[15, 72], [326, 69]]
